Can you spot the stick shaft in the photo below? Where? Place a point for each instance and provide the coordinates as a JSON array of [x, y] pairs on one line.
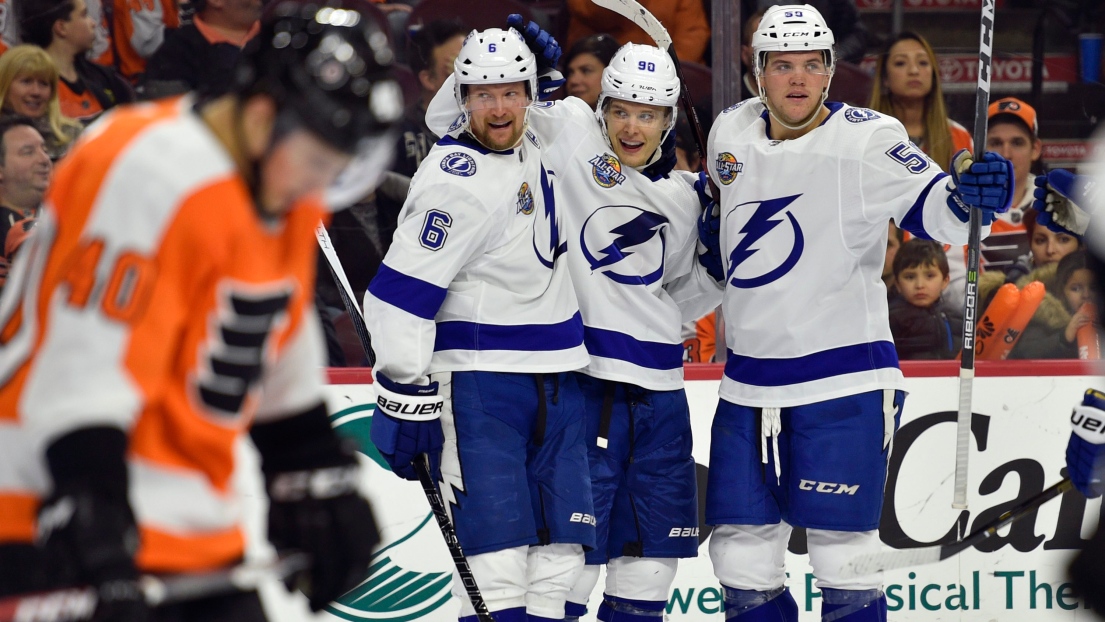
[[345, 291], [974, 241]]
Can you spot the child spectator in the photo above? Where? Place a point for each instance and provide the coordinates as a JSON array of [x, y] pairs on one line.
[[1075, 285], [66, 30], [923, 327], [29, 87]]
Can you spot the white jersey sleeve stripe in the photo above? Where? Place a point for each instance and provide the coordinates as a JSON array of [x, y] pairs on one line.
[[413, 295], [475, 336]]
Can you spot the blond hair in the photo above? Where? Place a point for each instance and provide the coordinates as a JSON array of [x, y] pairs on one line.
[[937, 138], [24, 60]]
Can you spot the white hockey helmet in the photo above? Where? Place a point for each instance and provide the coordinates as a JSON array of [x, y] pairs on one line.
[[793, 28], [642, 74], [494, 56]]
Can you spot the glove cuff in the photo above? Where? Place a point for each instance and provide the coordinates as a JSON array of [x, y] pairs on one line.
[[1088, 423], [398, 401], [90, 459]]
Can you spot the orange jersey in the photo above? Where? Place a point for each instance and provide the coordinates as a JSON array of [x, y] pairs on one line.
[[82, 107], [139, 29], [153, 298]]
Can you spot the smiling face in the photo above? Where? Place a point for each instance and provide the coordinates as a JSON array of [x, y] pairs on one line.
[[793, 83], [635, 129], [497, 113], [909, 70], [922, 285], [29, 95], [25, 169]]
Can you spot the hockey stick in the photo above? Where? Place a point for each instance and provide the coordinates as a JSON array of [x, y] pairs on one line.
[[74, 604], [863, 565], [422, 467], [345, 290], [970, 310], [634, 12]]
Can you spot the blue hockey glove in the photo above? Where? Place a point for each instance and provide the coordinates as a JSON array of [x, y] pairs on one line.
[[547, 51], [1087, 444], [407, 424], [1062, 200], [666, 163], [985, 185], [709, 230]]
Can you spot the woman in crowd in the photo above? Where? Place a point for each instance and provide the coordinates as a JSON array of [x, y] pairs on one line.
[[583, 65], [29, 87]]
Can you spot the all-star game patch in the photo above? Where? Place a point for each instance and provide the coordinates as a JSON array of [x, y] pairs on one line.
[[728, 168], [859, 115], [525, 199], [607, 170], [459, 164]]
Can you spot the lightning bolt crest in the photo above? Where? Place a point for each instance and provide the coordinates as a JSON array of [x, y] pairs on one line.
[[762, 222], [633, 233]]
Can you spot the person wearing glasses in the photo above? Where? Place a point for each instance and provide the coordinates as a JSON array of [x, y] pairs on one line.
[[812, 393]]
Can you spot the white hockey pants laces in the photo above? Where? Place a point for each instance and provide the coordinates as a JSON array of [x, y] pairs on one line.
[[771, 424]]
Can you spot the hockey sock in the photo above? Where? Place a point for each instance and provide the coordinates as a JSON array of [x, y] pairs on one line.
[[852, 605], [775, 605], [616, 609], [574, 611], [514, 614]]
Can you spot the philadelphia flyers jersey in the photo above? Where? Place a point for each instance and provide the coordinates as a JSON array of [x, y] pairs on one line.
[[154, 298], [803, 240]]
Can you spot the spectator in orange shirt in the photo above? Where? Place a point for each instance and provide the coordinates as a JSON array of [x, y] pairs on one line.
[[201, 56], [1012, 131], [907, 87], [29, 87], [138, 28], [685, 21], [66, 30]]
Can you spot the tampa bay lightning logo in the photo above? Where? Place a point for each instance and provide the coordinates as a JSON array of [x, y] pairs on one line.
[[533, 139], [734, 107], [625, 243], [859, 115], [759, 233], [457, 122], [460, 164]]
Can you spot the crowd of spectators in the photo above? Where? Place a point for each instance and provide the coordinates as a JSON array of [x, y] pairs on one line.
[[65, 62]]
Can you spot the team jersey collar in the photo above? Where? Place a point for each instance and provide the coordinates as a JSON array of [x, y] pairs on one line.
[[465, 139], [766, 116]]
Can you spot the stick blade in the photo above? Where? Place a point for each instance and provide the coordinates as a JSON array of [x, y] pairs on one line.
[[871, 563], [634, 12]]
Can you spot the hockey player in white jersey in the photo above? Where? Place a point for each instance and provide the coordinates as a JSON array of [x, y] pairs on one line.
[[812, 393], [631, 235], [476, 329]]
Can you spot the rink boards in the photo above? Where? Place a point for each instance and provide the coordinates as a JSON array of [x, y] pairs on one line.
[[1020, 431]]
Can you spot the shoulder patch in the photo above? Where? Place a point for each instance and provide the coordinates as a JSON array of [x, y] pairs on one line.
[[540, 104], [859, 115], [533, 139], [459, 164], [728, 168], [457, 122], [525, 199], [734, 106], [606, 170]]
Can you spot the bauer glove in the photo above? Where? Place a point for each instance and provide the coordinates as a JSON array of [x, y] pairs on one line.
[[546, 50], [312, 480], [85, 526], [986, 186], [407, 424], [1087, 444], [709, 231], [1062, 200]]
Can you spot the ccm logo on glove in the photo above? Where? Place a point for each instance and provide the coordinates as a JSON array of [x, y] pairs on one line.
[[394, 407], [828, 487]]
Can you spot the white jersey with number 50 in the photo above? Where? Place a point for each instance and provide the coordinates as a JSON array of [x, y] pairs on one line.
[[803, 240]]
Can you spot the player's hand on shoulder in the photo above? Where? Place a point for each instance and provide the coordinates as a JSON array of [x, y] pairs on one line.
[[407, 424], [665, 164], [1062, 201], [1086, 448], [547, 51], [709, 230], [985, 185]]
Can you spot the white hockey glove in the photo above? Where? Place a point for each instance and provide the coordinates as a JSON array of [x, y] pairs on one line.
[[1062, 200]]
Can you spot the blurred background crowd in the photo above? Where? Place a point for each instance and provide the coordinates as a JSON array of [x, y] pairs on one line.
[[65, 62]]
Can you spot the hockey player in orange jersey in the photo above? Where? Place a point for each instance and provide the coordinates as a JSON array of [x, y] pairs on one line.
[[164, 307]]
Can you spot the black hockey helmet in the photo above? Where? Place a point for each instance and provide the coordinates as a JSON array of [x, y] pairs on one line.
[[327, 63]]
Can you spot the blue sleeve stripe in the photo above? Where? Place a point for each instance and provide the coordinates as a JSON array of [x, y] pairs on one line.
[[614, 345], [412, 295], [455, 335], [913, 221], [817, 366]]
